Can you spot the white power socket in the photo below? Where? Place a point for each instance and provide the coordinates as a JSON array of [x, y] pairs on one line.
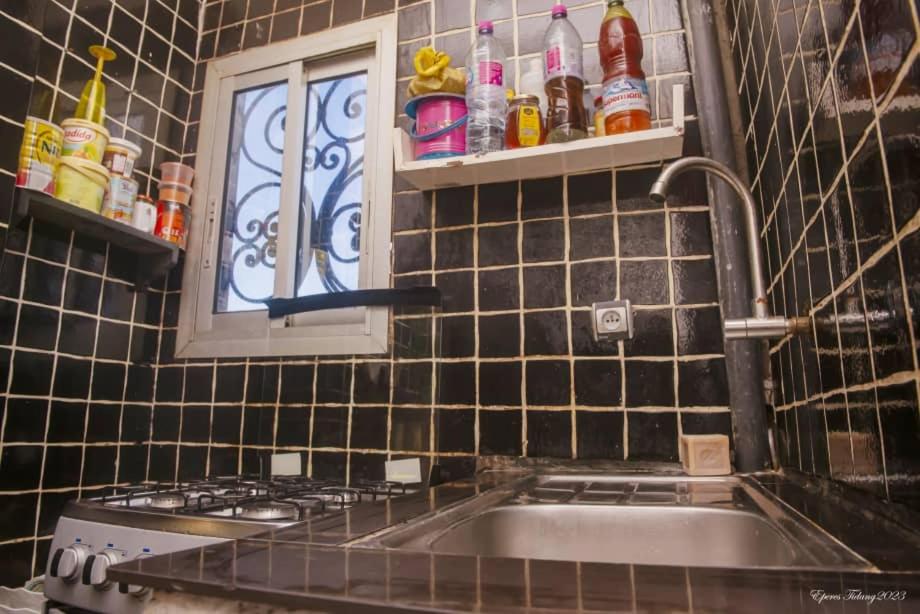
[[612, 320]]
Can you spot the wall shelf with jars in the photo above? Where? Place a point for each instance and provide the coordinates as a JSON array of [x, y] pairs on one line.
[[154, 256], [589, 154]]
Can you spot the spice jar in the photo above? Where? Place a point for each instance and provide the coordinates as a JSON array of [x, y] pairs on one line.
[[599, 116], [524, 127]]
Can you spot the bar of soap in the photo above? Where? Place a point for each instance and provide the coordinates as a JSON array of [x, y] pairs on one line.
[[705, 454]]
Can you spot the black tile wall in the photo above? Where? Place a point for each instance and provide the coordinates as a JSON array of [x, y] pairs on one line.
[[828, 95], [509, 366], [75, 334]]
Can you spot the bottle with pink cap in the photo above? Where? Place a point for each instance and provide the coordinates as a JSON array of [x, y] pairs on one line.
[[564, 80], [486, 102]]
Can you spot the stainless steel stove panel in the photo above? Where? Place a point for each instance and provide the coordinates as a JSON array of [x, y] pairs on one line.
[[153, 518]]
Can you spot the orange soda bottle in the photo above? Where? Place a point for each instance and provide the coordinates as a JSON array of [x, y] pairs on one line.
[[625, 92]]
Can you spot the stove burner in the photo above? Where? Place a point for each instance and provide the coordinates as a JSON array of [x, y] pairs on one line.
[[167, 501], [268, 510]]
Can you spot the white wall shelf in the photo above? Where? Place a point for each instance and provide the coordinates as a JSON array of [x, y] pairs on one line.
[[656, 144]]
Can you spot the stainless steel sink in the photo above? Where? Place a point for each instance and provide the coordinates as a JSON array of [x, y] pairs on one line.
[[695, 522]]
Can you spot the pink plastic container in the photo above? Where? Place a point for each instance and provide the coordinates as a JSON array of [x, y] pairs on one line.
[[439, 130]]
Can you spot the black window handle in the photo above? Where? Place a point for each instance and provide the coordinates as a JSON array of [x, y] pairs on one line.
[[419, 295]]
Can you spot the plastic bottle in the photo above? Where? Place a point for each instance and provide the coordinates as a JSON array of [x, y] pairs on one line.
[[486, 101], [564, 80], [626, 103], [92, 100], [532, 82]]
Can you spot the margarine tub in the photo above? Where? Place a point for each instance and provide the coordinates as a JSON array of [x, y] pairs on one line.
[[84, 139], [81, 183]]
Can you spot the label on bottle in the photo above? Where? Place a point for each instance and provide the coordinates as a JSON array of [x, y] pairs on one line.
[[625, 94], [562, 62], [487, 73], [528, 126]]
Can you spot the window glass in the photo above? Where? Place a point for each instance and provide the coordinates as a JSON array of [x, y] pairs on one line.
[[328, 248], [252, 191]]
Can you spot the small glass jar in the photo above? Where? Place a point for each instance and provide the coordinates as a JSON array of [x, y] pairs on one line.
[[524, 127], [599, 116]]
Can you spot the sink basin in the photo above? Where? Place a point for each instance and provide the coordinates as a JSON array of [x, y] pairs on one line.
[[692, 522], [641, 535]]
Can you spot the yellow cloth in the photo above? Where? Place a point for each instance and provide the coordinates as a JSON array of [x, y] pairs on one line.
[[434, 74]]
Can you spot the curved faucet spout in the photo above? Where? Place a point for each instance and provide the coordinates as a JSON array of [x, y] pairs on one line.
[[762, 325]]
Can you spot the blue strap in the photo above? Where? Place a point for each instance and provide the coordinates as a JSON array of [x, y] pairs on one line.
[[436, 133]]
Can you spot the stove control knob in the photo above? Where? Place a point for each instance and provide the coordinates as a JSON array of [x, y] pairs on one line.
[[95, 570], [66, 562], [135, 590]]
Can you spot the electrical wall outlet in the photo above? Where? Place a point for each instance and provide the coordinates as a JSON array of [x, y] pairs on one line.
[[612, 320]]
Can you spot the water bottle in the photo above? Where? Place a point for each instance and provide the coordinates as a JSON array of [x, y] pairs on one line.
[[564, 75], [486, 101]]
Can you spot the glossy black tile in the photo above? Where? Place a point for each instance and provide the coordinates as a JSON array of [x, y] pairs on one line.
[[649, 383], [598, 383], [694, 282], [333, 383], [25, 420], [43, 282], [31, 373], [498, 202], [455, 430], [644, 282], [498, 289], [499, 383], [541, 198], [410, 429], [590, 194], [229, 385], [456, 383], [37, 328], [549, 433], [454, 207], [699, 331], [103, 422], [113, 340], [593, 281], [548, 382], [293, 426], [412, 253], [457, 290], [545, 333], [641, 235], [543, 241], [498, 245], [653, 335], [458, 338], [599, 435], [544, 286], [591, 237], [652, 436], [369, 428], [225, 424]]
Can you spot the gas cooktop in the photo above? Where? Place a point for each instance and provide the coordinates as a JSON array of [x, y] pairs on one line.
[[281, 498], [146, 519]]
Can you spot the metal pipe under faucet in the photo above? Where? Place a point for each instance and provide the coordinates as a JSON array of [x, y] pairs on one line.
[[762, 325]]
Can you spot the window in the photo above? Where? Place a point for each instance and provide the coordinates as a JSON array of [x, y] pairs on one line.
[[293, 195]]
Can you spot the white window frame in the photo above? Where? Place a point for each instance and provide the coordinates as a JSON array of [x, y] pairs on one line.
[[366, 45]]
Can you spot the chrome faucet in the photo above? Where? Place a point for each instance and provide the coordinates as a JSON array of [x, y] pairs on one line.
[[762, 325]]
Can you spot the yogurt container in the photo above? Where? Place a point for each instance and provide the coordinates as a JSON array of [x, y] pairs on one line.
[[119, 157], [84, 139], [119, 199], [81, 183]]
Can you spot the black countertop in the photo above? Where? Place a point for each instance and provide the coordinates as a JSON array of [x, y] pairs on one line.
[[303, 566]]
